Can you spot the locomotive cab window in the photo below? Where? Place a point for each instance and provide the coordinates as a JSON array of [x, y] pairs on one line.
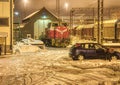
[[55, 24], [64, 24]]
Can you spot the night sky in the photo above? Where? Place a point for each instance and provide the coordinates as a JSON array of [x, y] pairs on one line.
[[34, 5]]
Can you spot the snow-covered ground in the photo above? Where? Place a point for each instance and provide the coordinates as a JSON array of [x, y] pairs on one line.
[[52, 66]]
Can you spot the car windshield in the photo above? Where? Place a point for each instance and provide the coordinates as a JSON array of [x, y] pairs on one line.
[[98, 46]]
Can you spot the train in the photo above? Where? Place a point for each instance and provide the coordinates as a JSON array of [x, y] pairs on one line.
[[111, 31], [57, 34]]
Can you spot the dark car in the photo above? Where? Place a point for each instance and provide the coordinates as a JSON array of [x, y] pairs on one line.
[[92, 51]]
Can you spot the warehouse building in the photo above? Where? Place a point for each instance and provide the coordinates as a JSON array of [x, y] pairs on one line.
[[35, 23]]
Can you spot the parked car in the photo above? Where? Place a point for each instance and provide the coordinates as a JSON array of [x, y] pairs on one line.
[[92, 51], [24, 48], [31, 41]]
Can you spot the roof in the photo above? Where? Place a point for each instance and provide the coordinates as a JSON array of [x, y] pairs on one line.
[[109, 21], [85, 26], [29, 16]]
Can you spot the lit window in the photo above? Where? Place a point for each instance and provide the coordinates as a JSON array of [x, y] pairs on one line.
[[4, 22]]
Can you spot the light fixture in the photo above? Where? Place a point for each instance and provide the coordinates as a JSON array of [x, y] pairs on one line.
[[66, 5], [16, 13], [25, 1]]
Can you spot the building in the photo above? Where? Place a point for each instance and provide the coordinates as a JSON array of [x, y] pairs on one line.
[[35, 23], [6, 26]]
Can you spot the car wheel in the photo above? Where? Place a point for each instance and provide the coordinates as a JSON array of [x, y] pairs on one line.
[[17, 52], [114, 57], [74, 58], [81, 57]]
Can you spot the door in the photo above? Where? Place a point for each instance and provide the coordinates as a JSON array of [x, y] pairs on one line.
[[91, 51], [39, 27]]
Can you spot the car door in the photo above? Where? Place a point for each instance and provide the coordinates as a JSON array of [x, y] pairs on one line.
[[91, 51], [81, 50], [100, 51]]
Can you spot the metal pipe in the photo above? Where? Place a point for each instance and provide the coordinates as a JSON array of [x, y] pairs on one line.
[[11, 21]]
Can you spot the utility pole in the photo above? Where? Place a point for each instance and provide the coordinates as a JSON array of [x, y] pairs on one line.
[[71, 18], [11, 26], [58, 8], [100, 22]]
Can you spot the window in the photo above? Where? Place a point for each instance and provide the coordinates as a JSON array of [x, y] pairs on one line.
[[98, 46], [91, 46], [86, 46], [4, 0], [4, 22], [55, 24], [82, 46]]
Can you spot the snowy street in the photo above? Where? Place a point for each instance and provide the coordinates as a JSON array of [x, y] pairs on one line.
[[54, 67]]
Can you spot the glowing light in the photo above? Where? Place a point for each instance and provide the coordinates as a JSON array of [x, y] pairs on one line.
[[25, 1], [66, 5], [44, 17], [16, 13]]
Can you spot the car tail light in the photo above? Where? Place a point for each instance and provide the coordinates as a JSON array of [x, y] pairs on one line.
[[77, 45], [111, 50]]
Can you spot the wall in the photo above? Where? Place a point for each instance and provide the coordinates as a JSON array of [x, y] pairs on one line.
[[6, 12]]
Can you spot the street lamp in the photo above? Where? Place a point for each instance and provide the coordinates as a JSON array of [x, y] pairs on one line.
[[17, 14]]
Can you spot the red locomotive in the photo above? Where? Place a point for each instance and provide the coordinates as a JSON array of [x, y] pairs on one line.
[[57, 34]]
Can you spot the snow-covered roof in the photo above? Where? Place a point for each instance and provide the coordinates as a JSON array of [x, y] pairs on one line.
[[111, 44], [80, 27], [52, 13], [89, 26], [29, 16], [109, 21], [85, 26]]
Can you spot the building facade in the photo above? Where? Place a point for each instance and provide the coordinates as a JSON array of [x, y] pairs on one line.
[[35, 23], [6, 25]]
